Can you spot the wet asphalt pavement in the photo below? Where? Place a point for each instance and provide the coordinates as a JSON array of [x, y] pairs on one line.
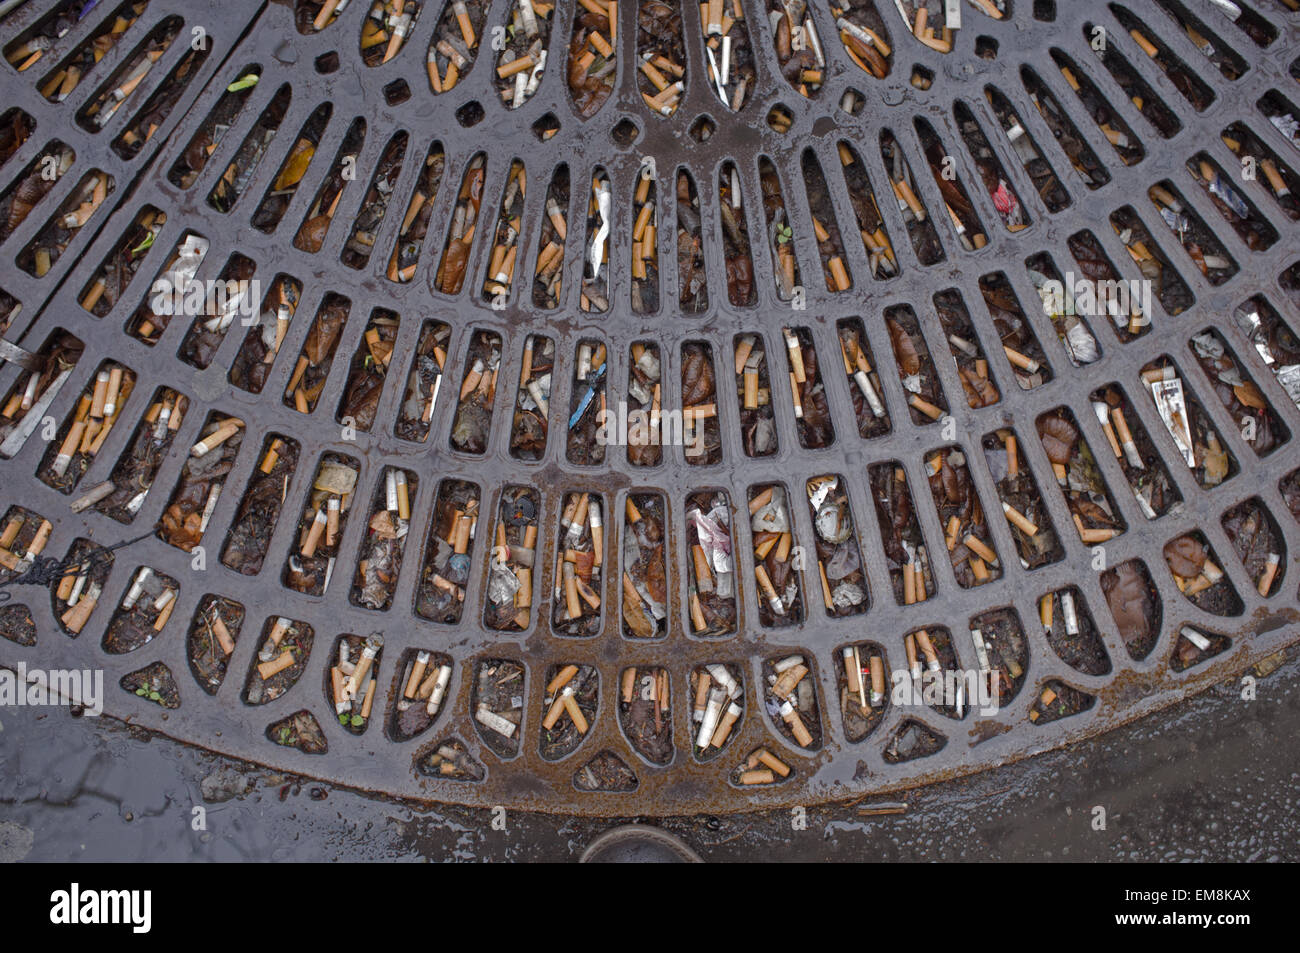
[[1215, 778]]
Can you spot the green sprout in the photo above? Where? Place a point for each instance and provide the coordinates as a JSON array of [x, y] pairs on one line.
[[247, 81], [784, 234]]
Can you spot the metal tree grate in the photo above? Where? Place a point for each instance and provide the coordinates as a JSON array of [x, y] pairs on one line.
[[1146, 111]]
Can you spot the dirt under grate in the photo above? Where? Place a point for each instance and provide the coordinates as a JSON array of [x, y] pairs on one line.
[[900, 348]]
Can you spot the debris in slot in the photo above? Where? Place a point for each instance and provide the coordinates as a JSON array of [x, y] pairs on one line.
[[864, 388], [916, 369], [78, 590], [32, 393], [1137, 456], [423, 383], [1274, 340], [595, 266], [871, 224], [454, 44], [790, 700], [365, 228], [1064, 130], [531, 426], [24, 536], [239, 172], [568, 709], [16, 127], [451, 760], [312, 16], [1199, 575], [780, 234], [151, 116], [777, 565], [524, 51], [1175, 297], [920, 226], [144, 611], [1194, 646], [1258, 542], [44, 251], [508, 606], [86, 427], [171, 290], [1280, 178], [757, 413], [223, 117], [606, 772], [864, 688], [717, 698], [313, 367], [1257, 422], [579, 565], [256, 356], [780, 118], [122, 496], [33, 184], [1188, 425], [645, 242], [966, 533], [1134, 606], [865, 37], [1029, 365], [1036, 166], [1077, 474], [384, 31], [548, 276], [210, 643], [913, 740], [59, 83], [415, 222], [310, 563], [1281, 112], [644, 710], [825, 227], [10, 308], [280, 661], [711, 570], [693, 294], [1059, 304], [500, 275], [1144, 99], [1015, 217], [968, 354], [320, 214], [1071, 631], [32, 43], [546, 127], [455, 254], [799, 50], [645, 573], [368, 372], [1106, 292], [1117, 132], [839, 561], [1184, 79], [1058, 700], [259, 511], [645, 399], [300, 730], [1200, 243], [947, 179], [352, 682], [807, 390], [937, 678], [1021, 501], [586, 438], [701, 431], [1001, 651], [761, 767], [425, 678], [230, 297], [911, 577], [593, 55], [661, 77], [730, 56], [448, 552], [384, 544], [153, 683], [202, 479]]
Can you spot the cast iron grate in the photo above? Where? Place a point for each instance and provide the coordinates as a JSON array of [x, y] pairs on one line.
[[802, 253]]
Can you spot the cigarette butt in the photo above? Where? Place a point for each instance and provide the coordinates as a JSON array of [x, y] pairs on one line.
[[1013, 458], [562, 678], [760, 501], [575, 713], [1019, 519], [1266, 578], [924, 406], [1148, 47], [318, 525], [877, 679], [629, 685], [826, 587], [276, 665], [1047, 611], [698, 623], [757, 776], [74, 619], [1022, 361], [973, 543]]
